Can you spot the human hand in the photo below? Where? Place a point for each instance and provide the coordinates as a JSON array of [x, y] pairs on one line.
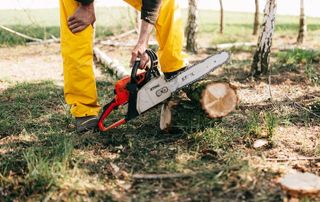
[[139, 51], [82, 18]]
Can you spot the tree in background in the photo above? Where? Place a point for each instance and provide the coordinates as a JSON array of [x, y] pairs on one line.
[[256, 18], [221, 17], [137, 21], [303, 25], [192, 26], [260, 62]]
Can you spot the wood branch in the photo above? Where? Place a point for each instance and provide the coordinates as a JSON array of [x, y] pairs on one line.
[[294, 159], [20, 34], [124, 44], [160, 176], [302, 107], [114, 65], [231, 45], [49, 41]]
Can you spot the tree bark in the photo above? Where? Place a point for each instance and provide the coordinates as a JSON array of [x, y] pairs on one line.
[[256, 18], [192, 27], [137, 21], [302, 25], [260, 64], [221, 17]]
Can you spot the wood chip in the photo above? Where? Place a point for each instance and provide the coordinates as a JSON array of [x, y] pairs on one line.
[[260, 143], [297, 183]]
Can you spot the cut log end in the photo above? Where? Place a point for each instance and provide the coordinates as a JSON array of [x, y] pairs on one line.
[[297, 183], [219, 99]]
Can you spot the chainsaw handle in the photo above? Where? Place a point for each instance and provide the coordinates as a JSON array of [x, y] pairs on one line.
[[154, 65], [134, 71], [106, 111]]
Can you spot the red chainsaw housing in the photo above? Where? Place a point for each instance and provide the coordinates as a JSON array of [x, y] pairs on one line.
[[121, 98]]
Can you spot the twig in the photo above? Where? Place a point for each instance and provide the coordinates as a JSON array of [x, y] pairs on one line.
[[49, 41], [161, 176], [20, 34], [302, 107], [293, 159]]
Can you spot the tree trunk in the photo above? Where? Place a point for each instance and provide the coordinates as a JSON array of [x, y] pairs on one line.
[[192, 27], [303, 25], [260, 62], [256, 18], [137, 21], [221, 17]]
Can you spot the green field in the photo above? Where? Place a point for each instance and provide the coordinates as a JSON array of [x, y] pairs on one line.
[[238, 26]]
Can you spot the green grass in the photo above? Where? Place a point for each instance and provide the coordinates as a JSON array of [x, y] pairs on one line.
[[42, 158], [238, 26]]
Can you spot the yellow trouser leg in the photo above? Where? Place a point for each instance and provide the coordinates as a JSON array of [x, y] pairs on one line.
[[79, 82], [169, 34]]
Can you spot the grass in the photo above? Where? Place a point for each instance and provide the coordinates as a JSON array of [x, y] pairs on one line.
[[42, 158], [45, 22]]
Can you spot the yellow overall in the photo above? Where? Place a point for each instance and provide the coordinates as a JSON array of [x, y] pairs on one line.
[[77, 52]]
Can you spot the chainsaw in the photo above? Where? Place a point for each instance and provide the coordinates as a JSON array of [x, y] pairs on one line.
[[143, 91]]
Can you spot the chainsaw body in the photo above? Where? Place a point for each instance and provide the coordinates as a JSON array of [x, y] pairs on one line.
[[126, 92], [146, 90]]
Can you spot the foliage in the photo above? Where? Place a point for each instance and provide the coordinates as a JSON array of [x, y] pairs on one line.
[[298, 56]]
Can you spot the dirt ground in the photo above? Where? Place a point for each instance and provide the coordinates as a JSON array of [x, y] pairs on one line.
[[291, 141]]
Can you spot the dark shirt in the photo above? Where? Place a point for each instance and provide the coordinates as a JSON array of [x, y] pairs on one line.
[[149, 10]]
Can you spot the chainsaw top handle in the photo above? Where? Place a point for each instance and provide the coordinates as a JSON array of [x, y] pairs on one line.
[[152, 69]]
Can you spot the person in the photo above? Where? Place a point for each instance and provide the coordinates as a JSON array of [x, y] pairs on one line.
[[77, 18]]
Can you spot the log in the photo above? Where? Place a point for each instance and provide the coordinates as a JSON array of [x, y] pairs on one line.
[[216, 99], [20, 34], [114, 65]]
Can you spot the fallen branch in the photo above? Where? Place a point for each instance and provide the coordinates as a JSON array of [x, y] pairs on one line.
[[161, 176], [302, 107], [122, 44], [232, 45], [49, 41], [20, 34], [114, 65], [293, 159]]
